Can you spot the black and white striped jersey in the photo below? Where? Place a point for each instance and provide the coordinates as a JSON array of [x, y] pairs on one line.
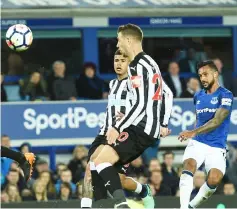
[[118, 101], [152, 99]]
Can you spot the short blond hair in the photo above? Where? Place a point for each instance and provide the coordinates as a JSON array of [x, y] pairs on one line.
[[131, 30]]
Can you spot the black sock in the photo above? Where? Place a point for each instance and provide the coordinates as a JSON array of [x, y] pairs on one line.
[[144, 191], [112, 182], [14, 155], [99, 190]]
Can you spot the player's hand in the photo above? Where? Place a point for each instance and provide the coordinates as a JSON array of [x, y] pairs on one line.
[[183, 136], [112, 134], [164, 131], [119, 116]]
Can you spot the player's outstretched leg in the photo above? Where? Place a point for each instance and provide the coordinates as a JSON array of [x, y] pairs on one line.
[[93, 185], [104, 166], [93, 180], [87, 191], [208, 188], [25, 161], [144, 191], [186, 182]]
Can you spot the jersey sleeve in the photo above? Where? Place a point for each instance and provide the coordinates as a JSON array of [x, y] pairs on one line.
[[167, 104], [226, 100], [140, 86]]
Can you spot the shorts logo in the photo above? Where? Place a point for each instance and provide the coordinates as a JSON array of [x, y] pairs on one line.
[[124, 170], [214, 100], [107, 184], [198, 102], [136, 81], [123, 136], [226, 101]]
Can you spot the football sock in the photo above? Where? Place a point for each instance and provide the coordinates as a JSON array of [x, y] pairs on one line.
[[186, 187], [203, 194], [14, 155], [112, 181], [99, 190], [133, 185]]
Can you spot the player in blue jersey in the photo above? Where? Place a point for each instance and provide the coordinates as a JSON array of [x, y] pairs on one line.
[[208, 144]]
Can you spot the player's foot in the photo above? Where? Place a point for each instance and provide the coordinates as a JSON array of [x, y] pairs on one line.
[[122, 205], [148, 201], [27, 166]]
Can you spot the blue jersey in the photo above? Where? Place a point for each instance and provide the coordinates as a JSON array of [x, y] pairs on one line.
[[206, 106]]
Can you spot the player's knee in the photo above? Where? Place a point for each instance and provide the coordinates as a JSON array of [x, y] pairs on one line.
[[190, 165], [213, 181], [214, 177]]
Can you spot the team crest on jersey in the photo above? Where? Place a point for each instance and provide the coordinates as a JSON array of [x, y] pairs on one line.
[[136, 81], [214, 100]]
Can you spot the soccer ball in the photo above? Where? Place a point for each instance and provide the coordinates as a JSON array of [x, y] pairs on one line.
[[19, 37]]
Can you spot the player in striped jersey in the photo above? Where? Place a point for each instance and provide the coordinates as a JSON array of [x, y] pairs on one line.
[[118, 103], [143, 123]]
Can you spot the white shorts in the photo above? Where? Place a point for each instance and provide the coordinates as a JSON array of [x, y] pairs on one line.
[[212, 157]]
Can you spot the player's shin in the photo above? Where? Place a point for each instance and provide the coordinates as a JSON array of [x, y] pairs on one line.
[[87, 192], [99, 190], [111, 181], [203, 194], [186, 187]]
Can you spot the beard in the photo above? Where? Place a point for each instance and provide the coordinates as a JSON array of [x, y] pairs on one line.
[[208, 87]]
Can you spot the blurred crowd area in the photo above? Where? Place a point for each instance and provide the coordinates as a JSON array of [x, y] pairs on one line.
[[65, 182], [52, 69]]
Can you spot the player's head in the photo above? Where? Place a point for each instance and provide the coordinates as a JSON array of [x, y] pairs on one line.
[[208, 74], [128, 36], [121, 62]]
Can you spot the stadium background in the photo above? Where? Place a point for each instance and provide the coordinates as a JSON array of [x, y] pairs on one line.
[[78, 32]]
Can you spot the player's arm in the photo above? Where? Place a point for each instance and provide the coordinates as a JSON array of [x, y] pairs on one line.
[[109, 117], [140, 91], [167, 104], [221, 114], [166, 109], [212, 124]]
